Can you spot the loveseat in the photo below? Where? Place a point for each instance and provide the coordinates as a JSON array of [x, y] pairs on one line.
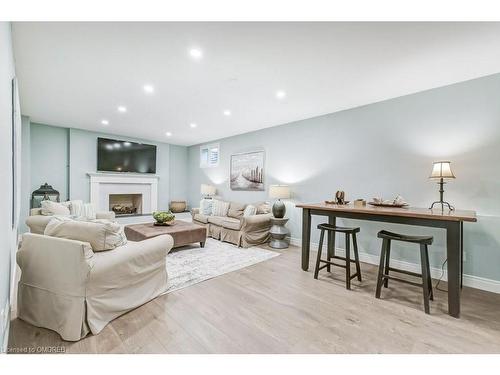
[[235, 225]]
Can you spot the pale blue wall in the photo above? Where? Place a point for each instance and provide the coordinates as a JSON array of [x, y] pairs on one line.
[[64, 156], [384, 149], [49, 158], [178, 173]]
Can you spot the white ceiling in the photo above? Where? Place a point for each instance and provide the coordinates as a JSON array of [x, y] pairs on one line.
[[76, 74]]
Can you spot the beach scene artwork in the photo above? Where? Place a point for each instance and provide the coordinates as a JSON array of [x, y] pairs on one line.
[[247, 171]]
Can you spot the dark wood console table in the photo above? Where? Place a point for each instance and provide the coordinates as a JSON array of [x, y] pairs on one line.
[[451, 221]]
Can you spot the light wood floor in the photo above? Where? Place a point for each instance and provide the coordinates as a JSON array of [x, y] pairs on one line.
[[274, 307]]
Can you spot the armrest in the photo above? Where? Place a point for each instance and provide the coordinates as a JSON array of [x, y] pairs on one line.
[[35, 211], [55, 264], [195, 211], [108, 215], [256, 222]]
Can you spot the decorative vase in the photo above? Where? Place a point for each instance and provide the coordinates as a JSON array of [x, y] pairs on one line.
[[178, 206]]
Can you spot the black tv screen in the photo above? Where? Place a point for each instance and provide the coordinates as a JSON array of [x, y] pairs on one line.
[[124, 156]]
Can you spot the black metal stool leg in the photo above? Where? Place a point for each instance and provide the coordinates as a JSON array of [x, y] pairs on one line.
[[347, 261], [387, 262], [356, 256], [328, 258], [425, 276], [431, 294], [318, 259], [381, 268]]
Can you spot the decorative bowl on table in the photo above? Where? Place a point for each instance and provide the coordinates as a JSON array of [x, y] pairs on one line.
[[398, 202], [163, 217]]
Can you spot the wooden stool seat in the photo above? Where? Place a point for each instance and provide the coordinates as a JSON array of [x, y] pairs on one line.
[[332, 230], [385, 268], [338, 229], [405, 238]]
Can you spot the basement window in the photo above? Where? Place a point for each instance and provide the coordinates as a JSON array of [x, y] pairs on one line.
[[209, 155]]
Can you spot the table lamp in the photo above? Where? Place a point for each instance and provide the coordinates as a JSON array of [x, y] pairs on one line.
[[441, 170], [207, 191], [279, 192]]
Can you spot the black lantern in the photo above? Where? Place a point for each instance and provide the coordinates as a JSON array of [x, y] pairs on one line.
[[44, 193]]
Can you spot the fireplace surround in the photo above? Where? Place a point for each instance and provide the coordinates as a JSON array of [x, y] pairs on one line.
[[107, 189]]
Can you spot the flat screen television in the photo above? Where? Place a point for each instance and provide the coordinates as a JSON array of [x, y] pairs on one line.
[[124, 156]]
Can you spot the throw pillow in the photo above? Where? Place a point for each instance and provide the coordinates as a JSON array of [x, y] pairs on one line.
[[263, 208], [88, 211], [236, 210], [51, 208], [220, 208], [206, 207], [76, 208], [100, 234], [249, 211]]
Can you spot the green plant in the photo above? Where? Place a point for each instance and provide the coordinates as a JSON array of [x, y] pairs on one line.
[[163, 216]]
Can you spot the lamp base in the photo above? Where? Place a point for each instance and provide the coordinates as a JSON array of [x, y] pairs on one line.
[[279, 209], [443, 204]]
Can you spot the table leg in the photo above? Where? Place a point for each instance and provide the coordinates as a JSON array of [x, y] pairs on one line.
[[332, 220], [306, 237], [461, 254], [453, 248]]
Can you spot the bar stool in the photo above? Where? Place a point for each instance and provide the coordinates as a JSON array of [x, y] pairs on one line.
[[384, 267], [332, 230]]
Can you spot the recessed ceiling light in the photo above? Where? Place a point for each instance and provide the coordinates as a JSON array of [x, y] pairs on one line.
[[117, 145], [168, 134], [122, 109], [149, 89], [105, 122], [127, 144], [193, 125], [227, 112], [280, 94], [196, 53]]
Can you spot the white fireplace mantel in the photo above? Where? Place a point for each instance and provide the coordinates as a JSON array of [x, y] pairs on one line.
[[103, 184]]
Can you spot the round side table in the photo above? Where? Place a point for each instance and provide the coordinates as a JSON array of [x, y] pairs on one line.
[[278, 233]]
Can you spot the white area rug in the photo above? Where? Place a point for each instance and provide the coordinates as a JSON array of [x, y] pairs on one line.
[[190, 265]]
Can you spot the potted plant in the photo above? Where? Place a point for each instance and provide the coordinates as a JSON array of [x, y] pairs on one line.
[[163, 217]]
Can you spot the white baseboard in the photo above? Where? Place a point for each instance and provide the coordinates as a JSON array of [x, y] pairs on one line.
[[469, 280]]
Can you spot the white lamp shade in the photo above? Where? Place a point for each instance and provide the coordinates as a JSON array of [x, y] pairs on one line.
[[441, 169], [207, 189], [279, 191]]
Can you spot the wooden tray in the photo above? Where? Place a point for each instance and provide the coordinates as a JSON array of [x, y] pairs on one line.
[[389, 205]]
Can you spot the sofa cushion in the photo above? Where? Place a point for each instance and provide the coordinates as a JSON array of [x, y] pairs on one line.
[[88, 212], [206, 206], [201, 218], [236, 210], [249, 210], [220, 208], [76, 207], [50, 208], [217, 220], [100, 234], [231, 223]]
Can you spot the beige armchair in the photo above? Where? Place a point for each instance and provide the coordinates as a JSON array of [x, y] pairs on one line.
[[68, 288]]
